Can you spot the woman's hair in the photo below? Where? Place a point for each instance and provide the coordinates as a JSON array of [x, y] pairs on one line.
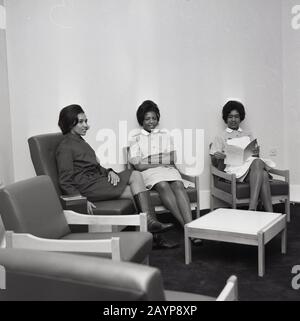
[[145, 108], [68, 118], [233, 105]]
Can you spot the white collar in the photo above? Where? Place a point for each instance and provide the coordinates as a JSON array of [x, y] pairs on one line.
[[231, 130], [155, 131]]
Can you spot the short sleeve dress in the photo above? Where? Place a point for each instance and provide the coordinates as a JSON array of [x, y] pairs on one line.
[[145, 144], [229, 136]]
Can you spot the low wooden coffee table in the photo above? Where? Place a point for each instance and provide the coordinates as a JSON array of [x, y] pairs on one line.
[[237, 226]]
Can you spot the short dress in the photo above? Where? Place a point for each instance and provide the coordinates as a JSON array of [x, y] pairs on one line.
[[145, 144], [240, 138], [79, 171]]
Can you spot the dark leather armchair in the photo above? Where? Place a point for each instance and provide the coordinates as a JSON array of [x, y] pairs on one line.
[[27, 275], [42, 151], [32, 211], [226, 188]]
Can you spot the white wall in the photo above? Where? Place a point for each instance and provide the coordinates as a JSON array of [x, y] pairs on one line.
[[6, 168], [6, 159], [291, 92], [188, 56]]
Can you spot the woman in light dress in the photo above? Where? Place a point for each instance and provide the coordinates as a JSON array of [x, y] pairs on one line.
[[152, 153], [254, 170]]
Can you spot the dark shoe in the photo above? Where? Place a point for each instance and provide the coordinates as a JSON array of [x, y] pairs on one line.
[[154, 226], [160, 243], [196, 242], [143, 203]]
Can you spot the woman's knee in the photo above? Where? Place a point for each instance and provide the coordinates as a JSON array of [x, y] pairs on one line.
[[257, 164], [177, 185], [162, 186], [136, 176]]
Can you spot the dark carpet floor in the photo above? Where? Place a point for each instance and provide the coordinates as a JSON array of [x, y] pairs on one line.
[[214, 262]]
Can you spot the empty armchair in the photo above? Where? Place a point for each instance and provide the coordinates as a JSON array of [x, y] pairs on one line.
[[36, 275], [31, 209]]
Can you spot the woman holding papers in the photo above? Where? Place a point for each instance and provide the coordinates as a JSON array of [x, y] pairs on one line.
[[240, 154], [80, 172]]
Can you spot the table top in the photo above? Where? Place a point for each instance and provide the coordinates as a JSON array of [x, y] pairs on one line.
[[231, 220]]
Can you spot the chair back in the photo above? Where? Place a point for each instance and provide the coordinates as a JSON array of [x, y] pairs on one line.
[[43, 154], [31, 275], [32, 206]]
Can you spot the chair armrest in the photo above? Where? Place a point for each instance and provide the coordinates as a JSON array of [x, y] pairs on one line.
[[190, 178], [218, 173], [120, 220], [280, 172], [230, 291], [74, 203], [29, 241]]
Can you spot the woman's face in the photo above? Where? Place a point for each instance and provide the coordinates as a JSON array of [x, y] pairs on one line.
[[82, 125], [234, 120], [150, 121]]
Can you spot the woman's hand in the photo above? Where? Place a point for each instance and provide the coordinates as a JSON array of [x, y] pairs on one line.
[[255, 151], [219, 155], [90, 207], [113, 178]]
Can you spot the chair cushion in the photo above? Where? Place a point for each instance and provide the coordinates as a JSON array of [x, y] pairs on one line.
[[278, 187], [43, 154], [184, 296], [33, 275], [134, 246], [156, 201], [32, 206], [114, 207]]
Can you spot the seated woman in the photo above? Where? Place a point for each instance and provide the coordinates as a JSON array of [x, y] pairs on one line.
[[81, 174], [152, 152], [254, 170]]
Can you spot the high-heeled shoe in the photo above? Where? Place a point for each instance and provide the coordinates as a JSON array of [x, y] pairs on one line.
[[196, 242]]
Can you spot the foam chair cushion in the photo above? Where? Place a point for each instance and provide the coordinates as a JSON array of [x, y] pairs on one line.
[[278, 187], [133, 245], [32, 206], [184, 296], [156, 201], [38, 275], [114, 207]]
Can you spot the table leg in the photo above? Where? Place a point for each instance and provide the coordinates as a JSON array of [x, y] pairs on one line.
[[261, 254], [283, 241], [187, 245]]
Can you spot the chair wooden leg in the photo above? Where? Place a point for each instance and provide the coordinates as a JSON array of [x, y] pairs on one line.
[[2, 278], [212, 203], [288, 210]]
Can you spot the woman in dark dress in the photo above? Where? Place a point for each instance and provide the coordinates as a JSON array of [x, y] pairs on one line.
[[81, 174]]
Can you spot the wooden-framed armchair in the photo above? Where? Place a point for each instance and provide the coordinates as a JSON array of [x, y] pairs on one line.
[[193, 192], [226, 188], [34, 219]]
